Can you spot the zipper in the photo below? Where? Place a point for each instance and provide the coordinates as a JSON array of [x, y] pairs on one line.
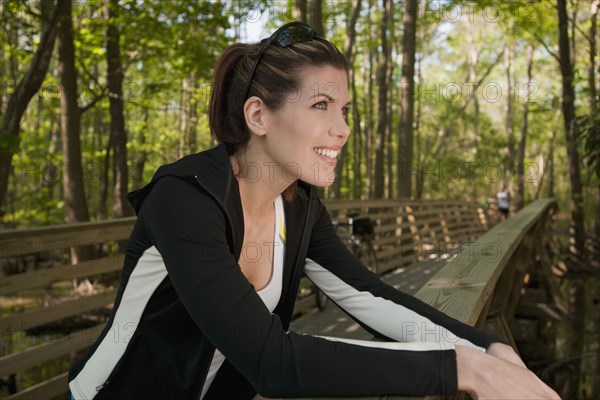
[[117, 366]]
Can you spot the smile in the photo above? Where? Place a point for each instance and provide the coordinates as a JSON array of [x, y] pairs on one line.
[[326, 152]]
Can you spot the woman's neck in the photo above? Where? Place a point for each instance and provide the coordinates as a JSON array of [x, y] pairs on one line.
[[260, 183]]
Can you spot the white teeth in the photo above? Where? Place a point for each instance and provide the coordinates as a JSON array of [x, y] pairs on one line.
[[326, 152]]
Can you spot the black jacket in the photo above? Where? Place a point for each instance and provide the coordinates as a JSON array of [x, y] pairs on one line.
[[182, 294]]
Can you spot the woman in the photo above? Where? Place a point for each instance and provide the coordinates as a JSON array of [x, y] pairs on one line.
[[220, 244]]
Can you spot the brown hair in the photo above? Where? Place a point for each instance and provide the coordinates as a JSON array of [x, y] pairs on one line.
[[276, 78]]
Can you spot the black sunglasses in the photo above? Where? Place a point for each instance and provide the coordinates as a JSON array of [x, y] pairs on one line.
[[287, 35]]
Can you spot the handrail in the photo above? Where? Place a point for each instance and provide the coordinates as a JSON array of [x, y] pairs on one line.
[[19, 242], [467, 285], [465, 288]]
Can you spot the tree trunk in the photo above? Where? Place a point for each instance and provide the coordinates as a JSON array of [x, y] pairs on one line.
[[75, 201], [407, 101], [192, 134], [510, 117], [349, 48], [368, 101], [592, 82], [550, 163], [141, 156], [102, 206], [184, 103], [389, 174], [382, 87], [315, 16], [27, 87], [357, 144], [420, 178], [473, 60], [568, 107], [524, 128], [577, 228], [118, 134], [76, 209], [50, 171], [300, 7]]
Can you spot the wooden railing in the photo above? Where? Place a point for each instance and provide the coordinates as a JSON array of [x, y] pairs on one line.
[[405, 233], [482, 285]]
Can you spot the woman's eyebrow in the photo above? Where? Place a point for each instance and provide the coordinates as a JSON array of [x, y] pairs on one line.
[[331, 99]]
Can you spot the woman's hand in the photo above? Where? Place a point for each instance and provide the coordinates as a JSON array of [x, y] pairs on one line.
[[487, 377], [505, 352]]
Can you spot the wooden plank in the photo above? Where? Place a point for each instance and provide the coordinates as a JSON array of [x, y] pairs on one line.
[[395, 251], [304, 305], [357, 204], [36, 355], [462, 288], [396, 263], [40, 316], [14, 283], [49, 239], [43, 390]]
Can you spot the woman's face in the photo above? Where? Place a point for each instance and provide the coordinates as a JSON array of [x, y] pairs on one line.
[[305, 136]]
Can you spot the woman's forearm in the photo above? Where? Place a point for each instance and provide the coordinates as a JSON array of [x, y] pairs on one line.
[[486, 376]]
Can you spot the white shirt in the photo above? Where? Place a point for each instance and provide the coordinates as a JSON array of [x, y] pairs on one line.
[[270, 294]]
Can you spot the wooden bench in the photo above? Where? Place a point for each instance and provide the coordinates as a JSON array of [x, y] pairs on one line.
[[405, 233]]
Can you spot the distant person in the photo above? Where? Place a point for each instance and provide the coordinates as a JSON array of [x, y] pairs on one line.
[[492, 210], [503, 197], [200, 315]]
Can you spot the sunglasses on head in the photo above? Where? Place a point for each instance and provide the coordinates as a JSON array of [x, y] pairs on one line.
[[287, 35]]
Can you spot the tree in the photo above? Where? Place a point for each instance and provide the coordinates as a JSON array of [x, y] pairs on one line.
[[577, 229], [315, 16], [27, 87], [570, 125], [76, 204], [118, 135], [382, 115], [349, 50], [524, 127], [300, 8], [407, 101]]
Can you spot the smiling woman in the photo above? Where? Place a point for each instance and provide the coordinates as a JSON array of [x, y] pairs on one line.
[[223, 237]]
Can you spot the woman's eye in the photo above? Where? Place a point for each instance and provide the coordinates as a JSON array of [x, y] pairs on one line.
[[321, 105]]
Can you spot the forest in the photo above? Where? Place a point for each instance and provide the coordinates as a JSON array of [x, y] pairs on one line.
[[450, 98]]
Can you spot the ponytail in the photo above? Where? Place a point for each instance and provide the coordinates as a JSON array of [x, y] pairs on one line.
[[226, 119]]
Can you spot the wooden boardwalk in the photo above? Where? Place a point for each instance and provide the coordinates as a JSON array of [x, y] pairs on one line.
[[334, 322]]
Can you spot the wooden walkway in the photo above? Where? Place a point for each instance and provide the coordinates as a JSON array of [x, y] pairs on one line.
[[334, 322]]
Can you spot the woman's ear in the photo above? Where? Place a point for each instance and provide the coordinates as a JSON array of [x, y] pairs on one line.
[[255, 113]]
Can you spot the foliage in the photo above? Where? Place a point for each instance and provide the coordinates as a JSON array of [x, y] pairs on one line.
[[165, 44]]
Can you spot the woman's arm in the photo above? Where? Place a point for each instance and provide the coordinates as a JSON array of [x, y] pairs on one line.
[[486, 367], [384, 311]]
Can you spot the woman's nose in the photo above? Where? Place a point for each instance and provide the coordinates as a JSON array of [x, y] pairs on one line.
[[340, 128]]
